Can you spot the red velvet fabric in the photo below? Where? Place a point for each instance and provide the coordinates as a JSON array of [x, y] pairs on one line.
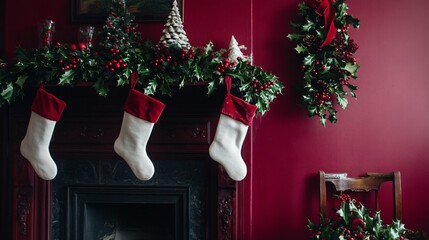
[[143, 106], [238, 109], [47, 105], [327, 10]]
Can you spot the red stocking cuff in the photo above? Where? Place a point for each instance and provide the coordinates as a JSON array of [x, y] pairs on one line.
[[238, 109], [47, 105], [143, 106]]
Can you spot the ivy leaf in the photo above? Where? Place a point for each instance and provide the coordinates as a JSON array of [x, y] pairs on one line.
[[67, 77]]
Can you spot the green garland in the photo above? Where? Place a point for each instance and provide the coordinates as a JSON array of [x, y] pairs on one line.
[[329, 68], [121, 52]]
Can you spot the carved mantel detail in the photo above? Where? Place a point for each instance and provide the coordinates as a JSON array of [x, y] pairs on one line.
[[226, 213]]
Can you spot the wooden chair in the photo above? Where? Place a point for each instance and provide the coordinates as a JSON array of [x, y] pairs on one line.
[[370, 182]]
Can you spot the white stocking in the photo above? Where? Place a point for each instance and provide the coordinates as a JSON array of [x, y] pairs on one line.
[[131, 145], [35, 146], [226, 146], [46, 111]]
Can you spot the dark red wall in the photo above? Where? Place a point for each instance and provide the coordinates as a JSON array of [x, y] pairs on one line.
[[385, 129]]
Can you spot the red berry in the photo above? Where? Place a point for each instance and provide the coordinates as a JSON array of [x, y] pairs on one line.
[[73, 47], [124, 65], [82, 46], [117, 65]]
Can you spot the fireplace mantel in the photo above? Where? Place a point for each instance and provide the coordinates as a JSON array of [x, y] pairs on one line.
[[87, 130]]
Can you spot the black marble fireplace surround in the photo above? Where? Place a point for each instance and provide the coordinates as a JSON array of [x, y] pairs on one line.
[[98, 199]]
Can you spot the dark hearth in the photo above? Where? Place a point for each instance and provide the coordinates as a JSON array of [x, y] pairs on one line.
[[129, 213]]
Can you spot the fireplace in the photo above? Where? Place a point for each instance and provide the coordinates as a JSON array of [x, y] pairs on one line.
[[95, 199], [96, 196]]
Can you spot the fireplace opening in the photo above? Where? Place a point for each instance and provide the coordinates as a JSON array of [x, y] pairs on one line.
[[115, 221], [128, 213]]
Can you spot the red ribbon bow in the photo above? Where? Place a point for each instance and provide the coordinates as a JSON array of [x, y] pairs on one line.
[[327, 10]]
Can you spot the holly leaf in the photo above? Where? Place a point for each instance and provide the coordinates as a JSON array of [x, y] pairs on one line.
[[198, 73], [151, 87], [238, 76], [21, 80], [208, 48], [122, 80], [211, 87], [322, 119], [311, 110], [303, 7], [352, 89], [294, 36], [300, 49], [295, 25], [308, 26], [342, 101], [353, 21], [309, 59], [351, 68], [67, 77], [7, 93], [22, 55], [100, 87]]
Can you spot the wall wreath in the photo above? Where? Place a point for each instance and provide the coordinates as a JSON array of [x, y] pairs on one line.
[[328, 63]]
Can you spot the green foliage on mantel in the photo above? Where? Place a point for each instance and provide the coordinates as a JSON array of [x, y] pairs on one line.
[[121, 51]]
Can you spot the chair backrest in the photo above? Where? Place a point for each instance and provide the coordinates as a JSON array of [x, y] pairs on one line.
[[370, 182]]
